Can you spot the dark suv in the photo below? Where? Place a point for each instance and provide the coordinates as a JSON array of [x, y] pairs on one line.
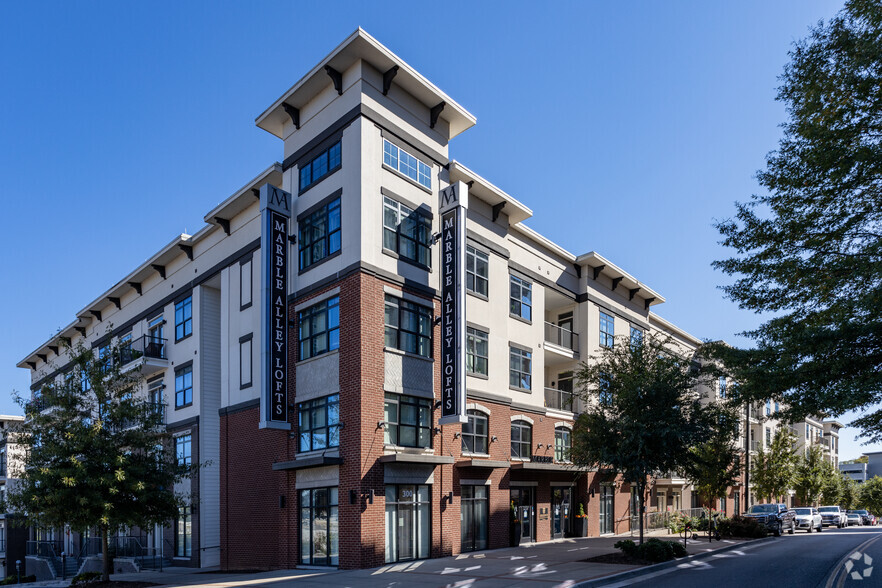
[[865, 516], [776, 517]]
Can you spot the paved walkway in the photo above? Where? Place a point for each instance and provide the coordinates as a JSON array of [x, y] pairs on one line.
[[548, 565]]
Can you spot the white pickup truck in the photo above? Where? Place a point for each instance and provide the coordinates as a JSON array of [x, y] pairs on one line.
[[833, 516]]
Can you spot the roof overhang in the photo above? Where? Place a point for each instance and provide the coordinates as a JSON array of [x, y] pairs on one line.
[[244, 197], [361, 46], [603, 266], [489, 193]]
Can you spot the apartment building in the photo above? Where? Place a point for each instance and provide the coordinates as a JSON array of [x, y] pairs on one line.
[[322, 418], [12, 539]]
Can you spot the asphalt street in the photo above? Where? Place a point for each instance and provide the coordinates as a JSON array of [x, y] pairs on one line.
[[805, 560]]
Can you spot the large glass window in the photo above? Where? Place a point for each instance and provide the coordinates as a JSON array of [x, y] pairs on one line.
[[320, 234], [521, 298], [408, 421], [407, 232], [636, 337], [319, 423], [520, 368], [184, 318], [475, 516], [408, 326], [406, 164], [321, 165], [477, 349], [563, 443], [521, 439], [320, 328], [477, 264], [319, 533], [474, 432], [607, 329], [184, 386], [408, 522], [184, 532], [183, 449]]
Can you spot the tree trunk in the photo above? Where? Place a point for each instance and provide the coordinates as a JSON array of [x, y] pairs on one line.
[[105, 555], [640, 499]]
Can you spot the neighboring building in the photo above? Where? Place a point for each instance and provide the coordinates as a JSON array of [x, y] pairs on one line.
[[855, 471], [12, 543], [361, 473]]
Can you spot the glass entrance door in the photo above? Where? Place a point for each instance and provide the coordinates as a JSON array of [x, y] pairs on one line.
[[523, 499], [474, 516], [561, 499], [408, 525], [606, 508]]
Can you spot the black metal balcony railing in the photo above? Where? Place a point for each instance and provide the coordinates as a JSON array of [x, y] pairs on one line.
[[144, 346], [558, 399], [561, 337]]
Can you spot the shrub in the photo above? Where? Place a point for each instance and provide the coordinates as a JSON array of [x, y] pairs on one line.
[[627, 546], [739, 526], [13, 579], [85, 579], [679, 550], [653, 550]]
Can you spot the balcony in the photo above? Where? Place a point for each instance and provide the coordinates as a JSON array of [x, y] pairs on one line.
[[559, 399], [561, 343], [148, 353], [671, 479], [755, 446]]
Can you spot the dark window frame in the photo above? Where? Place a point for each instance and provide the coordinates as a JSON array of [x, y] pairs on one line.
[[519, 303], [607, 330], [184, 326], [422, 227], [327, 405], [308, 511], [424, 318], [473, 276], [332, 158], [184, 532], [473, 358], [422, 429], [519, 444], [243, 383], [184, 449], [242, 286], [523, 355], [562, 452], [472, 441], [313, 313], [182, 394], [393, 160], [331, 241]]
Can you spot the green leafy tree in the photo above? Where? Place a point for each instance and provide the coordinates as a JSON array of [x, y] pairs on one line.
[[772, 470], [96, 453], [870, 496], [809, 249], [849, 493], [832, 490], [716, 461], [642, 414], [811, 475]]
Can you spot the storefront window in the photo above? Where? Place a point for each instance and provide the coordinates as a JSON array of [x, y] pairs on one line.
[[318, 527], [474, 517], [408, 522]]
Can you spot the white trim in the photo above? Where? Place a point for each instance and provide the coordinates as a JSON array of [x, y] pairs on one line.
[[521, 417], [318, 299], [478, 407], [564, 425], [408, 296]]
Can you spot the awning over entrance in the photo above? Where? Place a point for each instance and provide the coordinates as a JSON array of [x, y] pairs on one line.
[[554, 467], [313, 461], [483, 463], [416, 458]]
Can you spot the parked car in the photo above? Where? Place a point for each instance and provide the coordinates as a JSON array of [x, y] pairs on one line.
[[854, 519], [865, 516], [809, 519], [776, 517], [873, 519], [833, 516]]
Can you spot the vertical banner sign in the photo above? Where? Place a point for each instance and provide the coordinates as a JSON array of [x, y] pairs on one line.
[[452, 208], [275, 214]]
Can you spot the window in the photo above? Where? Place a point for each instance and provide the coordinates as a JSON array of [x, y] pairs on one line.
[[604, 392], [476, 351], [408, 522], [477, 263], [183, 448], [768, 437], [474, 432], [245, 372], [722, 387], [408, 421], [320, 234], [408, 326], [319, 423], [104, 359], [475, 514], [319, 530], [184, 532], [563, 443], [636, 337], [407, 232], [768, 407], [521, 298], [320, 328], [519, 368], [245, 285], [777, 407], [184, 386], [156, 337], [184, 318], [406, 164], [607, 329], [323, 164], [521, 439], [85, 382]]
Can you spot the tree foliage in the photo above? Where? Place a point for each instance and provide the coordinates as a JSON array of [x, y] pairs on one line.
[[849, 492], [772, 470], [715, 464], [96, 451], [641, 411], [870, 496], [811, 474], [809, 250]]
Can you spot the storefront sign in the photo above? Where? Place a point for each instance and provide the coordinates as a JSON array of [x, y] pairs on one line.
[[452, 207], [541, 459], [275, 214]]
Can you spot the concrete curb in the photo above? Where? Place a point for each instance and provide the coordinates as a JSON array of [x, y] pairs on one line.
[[621, 576]]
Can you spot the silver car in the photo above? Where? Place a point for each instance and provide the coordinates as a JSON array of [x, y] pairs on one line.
[[809, 519], [854, 519]]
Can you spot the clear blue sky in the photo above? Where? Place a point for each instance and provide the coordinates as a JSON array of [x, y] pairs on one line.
[[627, 127]]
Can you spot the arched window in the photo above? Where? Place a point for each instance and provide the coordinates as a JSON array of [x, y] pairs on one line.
[[563, 443], [521, 439], [474, 432]]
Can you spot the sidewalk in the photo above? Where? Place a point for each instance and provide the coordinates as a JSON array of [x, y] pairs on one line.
[[552, 564]]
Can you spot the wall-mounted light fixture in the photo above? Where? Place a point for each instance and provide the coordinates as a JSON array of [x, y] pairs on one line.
[[381, 425], [457, 435], [494, 439]]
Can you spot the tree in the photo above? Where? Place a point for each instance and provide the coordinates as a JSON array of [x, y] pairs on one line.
[[96, 451], [870, 496], [642, 414], [809, 250], [832, 490], [772, 470], [715, 464], [849, 493], [811, 474]]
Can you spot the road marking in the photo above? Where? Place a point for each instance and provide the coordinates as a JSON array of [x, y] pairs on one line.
[[837, 579]]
